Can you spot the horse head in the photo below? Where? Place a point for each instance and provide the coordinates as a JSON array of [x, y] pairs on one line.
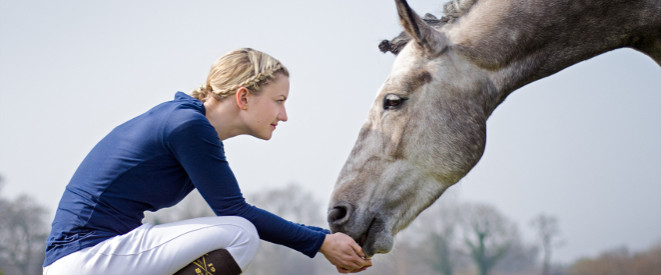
[[425, 131]]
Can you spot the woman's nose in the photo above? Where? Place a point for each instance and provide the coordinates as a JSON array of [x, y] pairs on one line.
[[283, 115]]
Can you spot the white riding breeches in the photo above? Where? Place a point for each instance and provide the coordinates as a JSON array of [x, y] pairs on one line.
[[164, 248]]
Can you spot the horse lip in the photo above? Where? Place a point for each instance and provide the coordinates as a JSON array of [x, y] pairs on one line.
[[361, 242], [364, 237]]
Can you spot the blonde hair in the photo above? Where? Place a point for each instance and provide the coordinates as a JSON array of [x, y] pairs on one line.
[[239, 68]]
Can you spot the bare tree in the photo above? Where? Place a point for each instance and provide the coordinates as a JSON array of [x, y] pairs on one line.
[[450, 235], [520, 258], [23, 232], [435, 230], [547, 230], [487, 234]]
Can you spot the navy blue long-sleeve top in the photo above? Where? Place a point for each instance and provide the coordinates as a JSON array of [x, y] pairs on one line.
[[151, 162]]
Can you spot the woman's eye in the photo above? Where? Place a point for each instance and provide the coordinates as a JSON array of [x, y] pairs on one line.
[[392, 101]]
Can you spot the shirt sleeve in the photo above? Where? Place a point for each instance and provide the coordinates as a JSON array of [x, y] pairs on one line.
[[196, 146]]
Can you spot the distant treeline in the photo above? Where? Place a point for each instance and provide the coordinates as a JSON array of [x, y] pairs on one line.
[[451, 237]]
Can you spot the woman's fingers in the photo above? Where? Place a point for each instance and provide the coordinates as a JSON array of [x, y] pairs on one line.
[[363, 261], [342, 270], [359, 250], [343, 252], [357, 257]]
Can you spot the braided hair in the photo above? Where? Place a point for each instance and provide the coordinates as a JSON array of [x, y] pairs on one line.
[[239, 68]]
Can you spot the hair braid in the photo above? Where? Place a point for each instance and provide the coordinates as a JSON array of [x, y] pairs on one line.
[[240, 68], [200, 93]]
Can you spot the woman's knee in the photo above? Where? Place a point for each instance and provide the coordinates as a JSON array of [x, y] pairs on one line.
[[249, 232], [245, 243], [244, 230]]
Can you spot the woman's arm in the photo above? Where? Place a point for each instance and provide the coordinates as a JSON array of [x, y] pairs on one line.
[[196, 146]]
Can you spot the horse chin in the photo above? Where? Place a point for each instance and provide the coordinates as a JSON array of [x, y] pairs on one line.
[[376, 239], [381, 245]]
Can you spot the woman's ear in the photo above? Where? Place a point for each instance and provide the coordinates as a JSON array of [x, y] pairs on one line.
[[241, 97]]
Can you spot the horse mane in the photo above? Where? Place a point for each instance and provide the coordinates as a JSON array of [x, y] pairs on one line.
[[456, 8], [451, 10]]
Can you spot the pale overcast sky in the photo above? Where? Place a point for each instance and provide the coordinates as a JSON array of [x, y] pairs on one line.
[[582, 145]]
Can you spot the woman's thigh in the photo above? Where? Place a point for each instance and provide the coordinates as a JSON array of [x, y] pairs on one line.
[[164, 248]]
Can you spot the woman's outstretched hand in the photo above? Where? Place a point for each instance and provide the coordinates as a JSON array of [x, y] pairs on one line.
[[343, 252]]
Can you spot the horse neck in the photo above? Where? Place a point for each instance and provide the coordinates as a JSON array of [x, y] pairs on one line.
[[521, 41]]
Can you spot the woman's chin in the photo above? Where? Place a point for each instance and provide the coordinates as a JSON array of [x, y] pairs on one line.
[[266, 136]]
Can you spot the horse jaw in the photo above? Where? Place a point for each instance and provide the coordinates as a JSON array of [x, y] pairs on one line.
[[380, 194]]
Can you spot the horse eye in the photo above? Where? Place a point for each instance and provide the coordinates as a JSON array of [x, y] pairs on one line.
[[391, 101]]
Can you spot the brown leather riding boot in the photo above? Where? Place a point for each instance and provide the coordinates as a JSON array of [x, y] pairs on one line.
[[217, 262]]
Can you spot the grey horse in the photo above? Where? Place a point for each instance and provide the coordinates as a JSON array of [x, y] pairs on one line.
[[427, 127]]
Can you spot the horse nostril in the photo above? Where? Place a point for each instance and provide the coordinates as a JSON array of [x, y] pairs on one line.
[[338, 215]]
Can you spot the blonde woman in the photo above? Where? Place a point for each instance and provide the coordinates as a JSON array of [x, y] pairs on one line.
[[154, 160]]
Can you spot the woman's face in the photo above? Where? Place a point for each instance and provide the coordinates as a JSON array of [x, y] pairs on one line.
[[265, 110]]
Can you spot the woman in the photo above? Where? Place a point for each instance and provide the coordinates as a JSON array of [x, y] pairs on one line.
[[154, 160]]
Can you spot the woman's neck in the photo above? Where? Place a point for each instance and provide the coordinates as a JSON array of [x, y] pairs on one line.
[[224, 117]]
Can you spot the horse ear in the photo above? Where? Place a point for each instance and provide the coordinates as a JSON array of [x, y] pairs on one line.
[[427, 37]]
